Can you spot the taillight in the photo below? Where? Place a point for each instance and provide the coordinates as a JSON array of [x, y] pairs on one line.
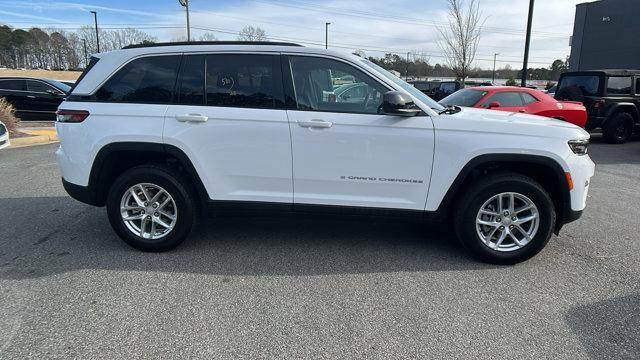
[[71, 116], [598, 103]]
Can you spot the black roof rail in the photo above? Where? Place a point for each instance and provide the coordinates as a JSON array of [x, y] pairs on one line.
[[178, 43]]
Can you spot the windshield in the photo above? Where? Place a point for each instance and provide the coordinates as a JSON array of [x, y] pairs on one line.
[[406, 86], [62, 86], [464, 97]]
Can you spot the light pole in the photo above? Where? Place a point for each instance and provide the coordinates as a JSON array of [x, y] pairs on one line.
[[406, 76], [185, 3], [493, 75], [527, 41], [86, 60], [95, 21], [326, 35]]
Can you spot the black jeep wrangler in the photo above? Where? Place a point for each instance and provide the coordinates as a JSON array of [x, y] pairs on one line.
[[612, 99]]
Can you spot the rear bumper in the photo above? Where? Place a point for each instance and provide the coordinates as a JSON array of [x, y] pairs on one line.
[[594, 122], [80, 193]]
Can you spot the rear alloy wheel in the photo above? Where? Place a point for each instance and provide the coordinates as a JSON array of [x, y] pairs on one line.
[[151, 207], [505, 218], [618, 128], [148, 211]]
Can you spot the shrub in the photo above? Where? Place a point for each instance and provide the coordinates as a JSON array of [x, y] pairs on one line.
[[8, 116], [511, 82]]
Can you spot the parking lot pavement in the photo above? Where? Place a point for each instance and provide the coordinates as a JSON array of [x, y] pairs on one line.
[[291, 288]]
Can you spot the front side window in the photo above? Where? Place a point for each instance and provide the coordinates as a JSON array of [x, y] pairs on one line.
[[321, 85], [248, 81], [144, 80], [619, 85], [505, 99], [13, 85], [638, 85]]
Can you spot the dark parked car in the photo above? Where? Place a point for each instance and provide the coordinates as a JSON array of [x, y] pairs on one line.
[[437, 90], [33, 98], [612, 99]]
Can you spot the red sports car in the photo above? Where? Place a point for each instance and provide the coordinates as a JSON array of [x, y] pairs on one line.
[[517, 99]]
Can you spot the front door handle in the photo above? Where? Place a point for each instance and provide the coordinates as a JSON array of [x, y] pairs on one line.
[[522, 111], [192, 118], [315, 123]]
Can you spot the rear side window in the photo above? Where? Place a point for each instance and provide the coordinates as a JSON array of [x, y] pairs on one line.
[[144, 80], [37, 86], [192, 80], [638, 85], [528, 98], [620, 85], [505, 98], [246, 81], [13, 85]]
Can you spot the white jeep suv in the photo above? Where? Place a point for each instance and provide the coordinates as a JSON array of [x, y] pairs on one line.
[[153, 132]]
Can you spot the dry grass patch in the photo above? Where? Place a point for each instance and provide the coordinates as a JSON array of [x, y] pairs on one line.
[[50, 74], [8, 116]]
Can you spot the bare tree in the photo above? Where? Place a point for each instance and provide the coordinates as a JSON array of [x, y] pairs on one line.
[[249, 33], [207, 37], [459, 40]]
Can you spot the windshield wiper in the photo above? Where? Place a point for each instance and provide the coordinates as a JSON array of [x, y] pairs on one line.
[[449, 109]]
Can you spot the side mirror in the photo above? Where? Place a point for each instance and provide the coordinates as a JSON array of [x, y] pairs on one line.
[[53, 92], [493, 104], [397, 103]]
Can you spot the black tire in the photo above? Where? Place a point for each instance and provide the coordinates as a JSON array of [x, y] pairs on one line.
[[477, 194], [618, 128], [172, 182]]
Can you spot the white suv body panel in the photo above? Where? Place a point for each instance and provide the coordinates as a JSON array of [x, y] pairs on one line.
[[362, 160], [240, 154], [108, 123], [264, 155]]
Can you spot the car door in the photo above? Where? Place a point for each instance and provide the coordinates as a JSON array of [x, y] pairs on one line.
[[508, 100], [14, 91], [43, 99], [229, 118], [348, 154]]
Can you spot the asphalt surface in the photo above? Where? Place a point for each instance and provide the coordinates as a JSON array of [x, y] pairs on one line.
[[324, 289]]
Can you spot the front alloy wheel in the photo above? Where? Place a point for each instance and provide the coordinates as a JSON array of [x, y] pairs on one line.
[[507, 221], [504, 218]]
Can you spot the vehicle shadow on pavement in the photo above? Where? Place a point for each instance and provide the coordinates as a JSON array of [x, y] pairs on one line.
[[65, 235], [608, 327]]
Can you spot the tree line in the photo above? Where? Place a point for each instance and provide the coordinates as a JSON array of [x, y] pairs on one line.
[[56, 49], [418, 66]]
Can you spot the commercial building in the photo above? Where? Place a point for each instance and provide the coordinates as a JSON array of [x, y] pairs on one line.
[[606, 35]]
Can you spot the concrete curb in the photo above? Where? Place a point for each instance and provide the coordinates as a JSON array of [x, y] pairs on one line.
[[39, 136]]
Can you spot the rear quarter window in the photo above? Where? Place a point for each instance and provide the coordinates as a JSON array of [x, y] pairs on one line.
[[573, 87], [148, 80]]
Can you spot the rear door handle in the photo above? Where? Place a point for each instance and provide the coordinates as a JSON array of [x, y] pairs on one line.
[[315, 123], [192, 118], [31, 96], [522, 111]]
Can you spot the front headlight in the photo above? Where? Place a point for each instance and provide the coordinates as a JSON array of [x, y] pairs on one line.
[[579, 147]]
